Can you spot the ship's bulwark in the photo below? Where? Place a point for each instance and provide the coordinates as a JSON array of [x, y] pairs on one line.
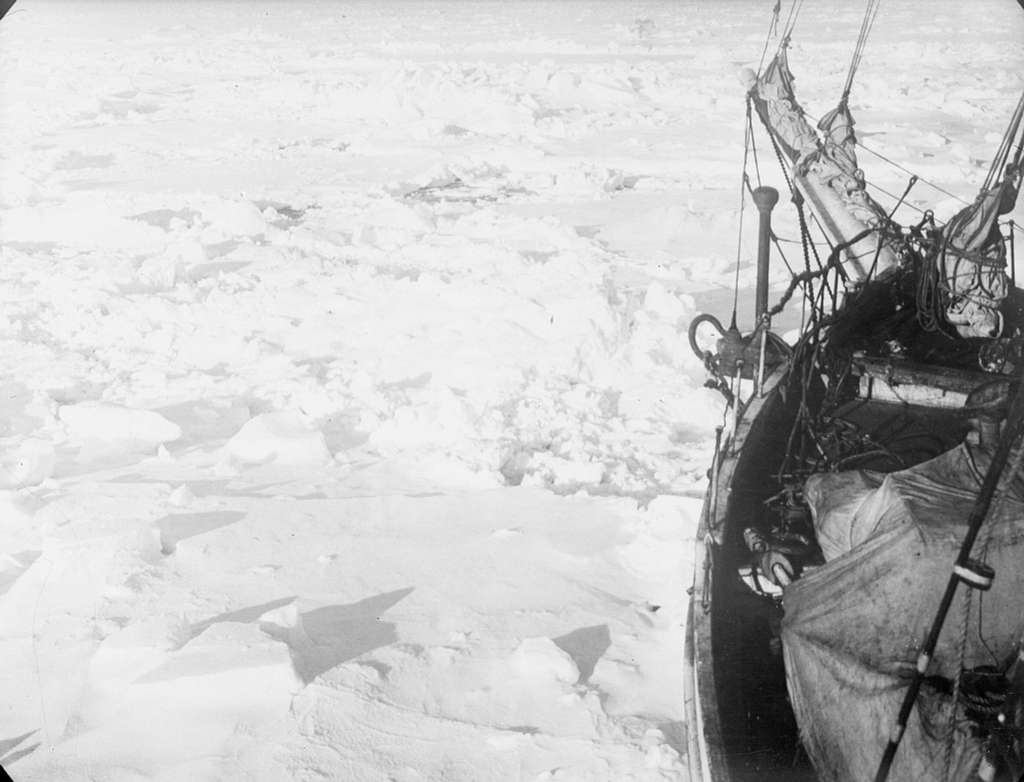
[[853, 627]]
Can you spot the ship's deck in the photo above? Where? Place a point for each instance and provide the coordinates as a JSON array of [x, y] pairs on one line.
[[758, 732]]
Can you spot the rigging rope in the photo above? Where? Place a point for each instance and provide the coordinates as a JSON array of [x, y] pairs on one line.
[[862, 146], [905, 170], [753, 146], [776, 241], [899, 201], [870, 14], [999, 162], [744, 184], [808, 245], [787, 30], [773, 29]]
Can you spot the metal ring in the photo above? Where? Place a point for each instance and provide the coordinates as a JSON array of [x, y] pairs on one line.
[[975, 574]]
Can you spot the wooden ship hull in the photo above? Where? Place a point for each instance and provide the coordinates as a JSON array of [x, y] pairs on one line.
[[742, 720], [856, 610]]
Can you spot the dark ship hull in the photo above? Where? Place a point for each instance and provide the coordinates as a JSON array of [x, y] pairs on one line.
[[856, 612], [739, 706]]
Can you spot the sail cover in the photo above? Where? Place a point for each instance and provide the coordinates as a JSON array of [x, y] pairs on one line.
[[853, 627], [971, 255], [972, 260], [824, 169]]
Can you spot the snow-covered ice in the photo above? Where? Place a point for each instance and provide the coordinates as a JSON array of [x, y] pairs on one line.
[[348, 424]]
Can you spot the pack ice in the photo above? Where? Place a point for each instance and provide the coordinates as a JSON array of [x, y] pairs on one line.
[[348, 428]]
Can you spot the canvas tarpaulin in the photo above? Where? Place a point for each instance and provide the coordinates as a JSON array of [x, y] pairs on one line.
[[853, 627]]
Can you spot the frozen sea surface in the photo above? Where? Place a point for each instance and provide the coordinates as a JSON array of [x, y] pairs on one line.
[[348, 427]]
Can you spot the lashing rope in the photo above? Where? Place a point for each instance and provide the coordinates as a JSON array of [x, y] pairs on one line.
[[957, 684]]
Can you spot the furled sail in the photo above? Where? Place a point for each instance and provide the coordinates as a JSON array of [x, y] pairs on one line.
[[824, 170], [971, 258], [972, 261]]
